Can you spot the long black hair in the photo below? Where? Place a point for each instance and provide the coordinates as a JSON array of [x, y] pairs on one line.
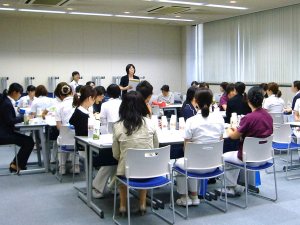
[[204, 99], [190, 94], [132, 110]]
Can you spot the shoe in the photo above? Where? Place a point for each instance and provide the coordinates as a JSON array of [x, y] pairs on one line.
[[239, 189], [230, 192], [142, 210], [62, 169], [13, 168], [97, 194], [122, 211], [195, 200], [183, 201]]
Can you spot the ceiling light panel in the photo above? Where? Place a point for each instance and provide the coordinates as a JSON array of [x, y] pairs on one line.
[[7, 9], [89, 14], [181, 2], [41, 11], [226, 6], [174, 19], [135, 17]]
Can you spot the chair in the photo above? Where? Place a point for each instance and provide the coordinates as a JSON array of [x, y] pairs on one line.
[[177, 98], [6, 168], [110, 127], [203, 157], [277, 118], [144, 175], [258, 154], [155, 110], [66, 143], [282, 142]]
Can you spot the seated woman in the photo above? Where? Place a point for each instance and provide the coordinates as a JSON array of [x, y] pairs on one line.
[[224, 97], [166, 95], [202, 128], [258, 124], [8, 119], [133, 130], [42, 103], [188, 108], [274, 103], [27, 100], [99, 99], [146, 90], [228, 94]]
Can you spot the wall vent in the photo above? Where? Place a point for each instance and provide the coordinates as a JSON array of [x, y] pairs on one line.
[[47, 2], [165, 10]]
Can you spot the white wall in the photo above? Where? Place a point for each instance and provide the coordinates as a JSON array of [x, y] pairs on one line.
[[43, 47]]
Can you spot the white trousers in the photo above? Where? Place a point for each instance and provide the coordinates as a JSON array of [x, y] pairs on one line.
[[102, 177], [232, 176], [192, 183]]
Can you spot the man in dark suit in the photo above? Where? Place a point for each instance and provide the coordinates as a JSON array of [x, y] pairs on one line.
[[8, 119]]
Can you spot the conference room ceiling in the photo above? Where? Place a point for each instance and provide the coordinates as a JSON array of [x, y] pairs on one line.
[[177, 12]]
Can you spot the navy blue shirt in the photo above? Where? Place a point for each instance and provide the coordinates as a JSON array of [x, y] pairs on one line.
[[294, 100], [188, 110]]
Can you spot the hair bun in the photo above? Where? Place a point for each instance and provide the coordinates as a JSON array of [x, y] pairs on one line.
[[65, 90]]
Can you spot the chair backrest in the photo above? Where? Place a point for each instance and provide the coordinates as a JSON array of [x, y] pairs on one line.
[[66, 136], [277, 118], [110, 127], [257, 149], [203, 156], [155, 110], [177, 97], [282, 133], [147, 163]]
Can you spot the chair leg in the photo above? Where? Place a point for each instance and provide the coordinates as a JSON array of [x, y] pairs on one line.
[[128, 206]]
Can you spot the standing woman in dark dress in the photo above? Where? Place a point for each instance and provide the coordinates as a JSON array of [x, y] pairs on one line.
[[8, 119], [130, 70]]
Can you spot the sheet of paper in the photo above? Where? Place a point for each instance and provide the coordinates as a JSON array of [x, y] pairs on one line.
[[133, 83]]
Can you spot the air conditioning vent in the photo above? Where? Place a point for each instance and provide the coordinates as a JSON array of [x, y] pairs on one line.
[[165, 10], [47, 2]]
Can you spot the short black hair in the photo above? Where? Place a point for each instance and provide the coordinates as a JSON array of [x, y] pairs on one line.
[[77, 89], [90, 82], [100, 90], [255, 96], [75, 73], [194, 83], [128, 67], [223, 85], [30, 88], [113, 91], [165, 88], [145, 88], [296, 84], [15, 87]]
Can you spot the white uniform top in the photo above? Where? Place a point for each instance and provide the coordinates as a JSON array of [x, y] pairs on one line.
[[297, 105], [73, 85], [65, 111], [167, 99], [273, 104], [25, 102], [202, 130], [42, 102], [110, 111]]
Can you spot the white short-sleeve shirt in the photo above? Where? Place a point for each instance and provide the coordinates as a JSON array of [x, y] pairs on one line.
[[167, 99], [65, 111], [25, 101], [110, 111], [273, 104], [297, 105], [203, 130], [42, 102]]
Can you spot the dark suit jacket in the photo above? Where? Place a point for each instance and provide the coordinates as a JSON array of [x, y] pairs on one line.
[[238, 105], [8, 117]]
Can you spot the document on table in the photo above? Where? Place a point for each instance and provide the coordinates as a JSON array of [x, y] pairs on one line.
[[133, 83]]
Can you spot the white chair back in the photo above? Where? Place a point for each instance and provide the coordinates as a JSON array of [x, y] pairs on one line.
[[177, 97], [277, 118], [147, 163], [66, 136], [155, 110], [203, 156], [257, 149], [282, 133], [110, 127]]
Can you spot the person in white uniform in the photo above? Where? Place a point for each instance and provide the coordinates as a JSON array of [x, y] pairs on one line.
[[109, 114], [274, 103], [75, 81], [204, 127], [166, 95], [26, 101], [41, 105]]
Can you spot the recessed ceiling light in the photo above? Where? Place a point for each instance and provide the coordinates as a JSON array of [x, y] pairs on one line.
[[233, 2], [5, 4], [226, 6], [137, 17], [8, 9], [70, 9], [180, 2], [89, 14], [177, 16], [127, 12], [41, 11], [173, 19]]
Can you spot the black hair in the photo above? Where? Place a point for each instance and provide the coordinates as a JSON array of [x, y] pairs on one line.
[[255, 96], [275, 89], [204, 98], [41, 90], [77, 89], [264, 86], [223, 85], [194, 83], [145, 88], [190, 94], [85, 92], [113, 91], [296, 84], [240, 89], [100, 90], [229, 88], [14, 87], [128, 67], [165, 88], [90, 82], [203, 85], [30, 88], [75, 73], [132, 110]]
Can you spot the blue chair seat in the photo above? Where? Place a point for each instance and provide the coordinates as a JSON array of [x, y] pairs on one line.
[[255, 168], [283, 146], [215, 173], [147, 183], [67, 148]]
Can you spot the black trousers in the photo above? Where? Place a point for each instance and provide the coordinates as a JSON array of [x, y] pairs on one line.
[[25, 142]]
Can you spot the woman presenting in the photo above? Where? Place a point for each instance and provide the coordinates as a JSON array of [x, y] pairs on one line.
[[130, 70]]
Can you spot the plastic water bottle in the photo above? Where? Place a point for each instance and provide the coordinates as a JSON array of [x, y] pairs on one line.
[[173, 122], [91, 123], [164, 123], [96, 131], [181, 123], [26, 118], [233, 120]]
